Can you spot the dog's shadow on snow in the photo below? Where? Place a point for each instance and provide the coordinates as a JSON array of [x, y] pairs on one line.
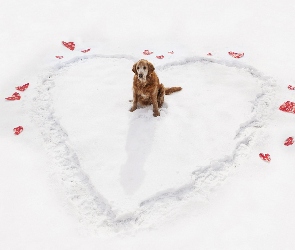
[[139, 144]]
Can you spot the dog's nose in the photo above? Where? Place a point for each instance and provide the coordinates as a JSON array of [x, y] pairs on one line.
[[140, 75]]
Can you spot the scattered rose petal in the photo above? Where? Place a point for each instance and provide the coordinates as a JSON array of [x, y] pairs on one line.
[[69, 45], [23, 88], [160, 57], [236, 55], [291, 87], [85, 51], [15, 96], [289, 141], [59, 57], [171, 52], [288, 107], [265, 157], [147, 52], [18, 130]]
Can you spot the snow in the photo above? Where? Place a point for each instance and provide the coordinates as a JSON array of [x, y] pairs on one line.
[[87, 173]]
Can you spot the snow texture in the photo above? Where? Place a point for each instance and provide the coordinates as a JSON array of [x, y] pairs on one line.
[[91, 205]]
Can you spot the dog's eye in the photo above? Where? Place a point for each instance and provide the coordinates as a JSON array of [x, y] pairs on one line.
[[137, 67], [144, 67]]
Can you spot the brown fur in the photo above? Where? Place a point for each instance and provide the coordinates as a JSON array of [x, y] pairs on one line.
[[147, 88]]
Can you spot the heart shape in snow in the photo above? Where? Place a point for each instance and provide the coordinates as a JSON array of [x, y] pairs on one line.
[[111, 161]]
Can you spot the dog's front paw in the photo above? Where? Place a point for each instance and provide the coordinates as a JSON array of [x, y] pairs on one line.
[[156, 113], [132, 109]]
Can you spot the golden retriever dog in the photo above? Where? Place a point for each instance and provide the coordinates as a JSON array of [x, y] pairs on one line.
[[147, 88]]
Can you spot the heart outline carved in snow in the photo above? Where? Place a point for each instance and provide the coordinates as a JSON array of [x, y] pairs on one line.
[[89, 203]]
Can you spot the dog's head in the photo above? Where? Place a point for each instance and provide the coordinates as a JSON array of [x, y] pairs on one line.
[[143, 69]]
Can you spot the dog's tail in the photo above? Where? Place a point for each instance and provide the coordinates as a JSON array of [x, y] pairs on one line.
[[171, 90]]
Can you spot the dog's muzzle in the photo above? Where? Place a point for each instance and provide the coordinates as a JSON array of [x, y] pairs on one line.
[[140, 75]]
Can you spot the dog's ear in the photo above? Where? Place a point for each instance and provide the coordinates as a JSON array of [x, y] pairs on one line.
[[151, 68], [134, 69]]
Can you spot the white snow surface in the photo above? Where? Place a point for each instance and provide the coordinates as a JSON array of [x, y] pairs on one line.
[[86, 173]]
